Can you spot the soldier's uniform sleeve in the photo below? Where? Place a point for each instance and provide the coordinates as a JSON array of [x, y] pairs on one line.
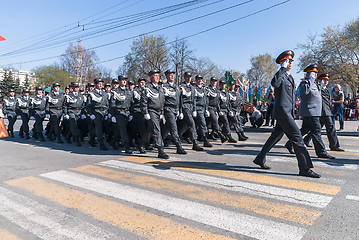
[[112, 103], [181, 100], [144, 102], [88, 107], [64, 105], [279, 77], [132, 102], [194, 100], [47, 105], [304, 87]]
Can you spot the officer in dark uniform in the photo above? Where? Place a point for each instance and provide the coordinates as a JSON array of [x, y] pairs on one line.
[[121, 102], [235, 100], [284, 92], [37, 109], [310, 109], [9, 109], [214, 109], [74, 105], [54, 107], [326, 118], [152, 103], [22, 109], [171, 110], [188, 109], [97, 107], [138, 123], [201, 107], [224, 110]]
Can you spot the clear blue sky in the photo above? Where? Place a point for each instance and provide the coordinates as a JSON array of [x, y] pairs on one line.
[[231, 46]]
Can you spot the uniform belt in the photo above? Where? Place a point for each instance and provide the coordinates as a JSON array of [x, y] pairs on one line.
[[171, 106], [101, 108], [25, 108], [123, 109], [39, 109], [75, 108], [156, 110], [57, 108]]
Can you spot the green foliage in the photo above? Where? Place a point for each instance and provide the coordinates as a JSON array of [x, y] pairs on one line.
[[47, 75], [7, 82]]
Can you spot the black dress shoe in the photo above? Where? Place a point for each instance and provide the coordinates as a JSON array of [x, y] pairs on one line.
[[309, 173], [262, 165], [142, 150], [196, 147], [163, 155], [338, 149], [180, 150], [326, 156]]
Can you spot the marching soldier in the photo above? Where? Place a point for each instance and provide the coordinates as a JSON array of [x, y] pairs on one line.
[[9, 110], [54, 107], [201, 107], [38, 110], [214, 109], [97, 108], [224, 110], [236, 102], [74, 104], [284, 86], [22, 109], [171, 110], [152, 103], [120, 107], [188, 109]]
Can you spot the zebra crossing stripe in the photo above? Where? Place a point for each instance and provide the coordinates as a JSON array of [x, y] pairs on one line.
[[228, 220], [252, 177], [288, 195], [260, 206], [46, 222], [142, 223]]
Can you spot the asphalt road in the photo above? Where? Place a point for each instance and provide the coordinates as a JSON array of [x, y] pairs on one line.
[[60, 191]]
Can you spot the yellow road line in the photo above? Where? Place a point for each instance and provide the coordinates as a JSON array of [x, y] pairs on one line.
[[142, 223], [252, 177], [268, 208], [6, 235]]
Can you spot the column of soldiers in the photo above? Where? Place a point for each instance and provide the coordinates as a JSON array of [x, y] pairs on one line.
[[124, 115]]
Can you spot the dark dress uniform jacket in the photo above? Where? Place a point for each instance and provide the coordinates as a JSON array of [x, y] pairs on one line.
[[23, 105], [284, 91], [153, 99], [121, 101], [235, 101], [38, 104], [224, 105], [55, 103], [326, 111], [172, 95], [137, 92], [213, 97], [9, 106], [187, 96], [97, 102], [74, 104], [201, 96], [310, 98]]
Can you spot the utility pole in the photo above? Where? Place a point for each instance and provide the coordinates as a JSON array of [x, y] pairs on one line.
[[79, 63]]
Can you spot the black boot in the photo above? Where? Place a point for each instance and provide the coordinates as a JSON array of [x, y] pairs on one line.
[[223, 137], [41, 137], [196, 147], [114, 145], [59, 140], [78, 142], [180, 149], [162, 154], [241, 137], [141, 149], [206, 143], [128, 149], [103, 146], [92, 142], [50, 138], [27, 136], [231, 139]]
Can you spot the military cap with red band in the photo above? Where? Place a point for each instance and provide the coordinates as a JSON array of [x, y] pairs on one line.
[[288, 54], [311, 68], [324, 76]]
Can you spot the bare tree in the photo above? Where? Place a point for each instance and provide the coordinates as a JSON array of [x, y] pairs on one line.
[[180, 55], [204, 67]]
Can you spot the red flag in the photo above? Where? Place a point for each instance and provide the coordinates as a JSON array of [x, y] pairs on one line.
[[2, 38]]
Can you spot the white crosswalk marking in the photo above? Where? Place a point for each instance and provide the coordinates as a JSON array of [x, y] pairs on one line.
[[228, 220], [46, 222]]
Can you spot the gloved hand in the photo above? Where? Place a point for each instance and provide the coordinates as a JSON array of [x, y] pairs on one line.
[[207, 114], [106, 117], [285, 63], [19, 117], [312, 75], [32, 118], [231, 114], [113, 119], [180, 116], [92, 117], [5, 116], [130, 118], [147, 116], [194, 114], [221, 113], [47, 115], [161, 116], [109, 115], [83, 116], [67, 116]]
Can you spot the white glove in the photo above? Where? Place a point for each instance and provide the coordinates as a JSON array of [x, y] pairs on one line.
[[221, 113], [312, 75], [67, 116], [130, 118], [92, 117], [5, 116], [147, 116], [32, 118], [47, 115], [109, 115], [180, 116], [163, 120], [113, 119], [83, 116], [285, 63], [161, 116], [177, 114], [19, 117], [207, 114], [194, 114], [106, 117], [231, 114]]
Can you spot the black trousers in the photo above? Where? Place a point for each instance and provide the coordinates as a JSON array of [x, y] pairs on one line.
[[138, 128], [187, 110], [213, 119], [120, 129], [223, 120], [291, 130], [73, 125], [171, 124], [234, 121], [39, 119], [11, 117], [55, 124], [330, 129], [25, 122], [154, 126], [269, 114], [99, 122], [200, 121], [312, 124]]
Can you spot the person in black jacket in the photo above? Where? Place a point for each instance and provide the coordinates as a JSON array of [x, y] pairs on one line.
[[284, 85], [37, 109], [54, 107], [22, 109], [9, 109]]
